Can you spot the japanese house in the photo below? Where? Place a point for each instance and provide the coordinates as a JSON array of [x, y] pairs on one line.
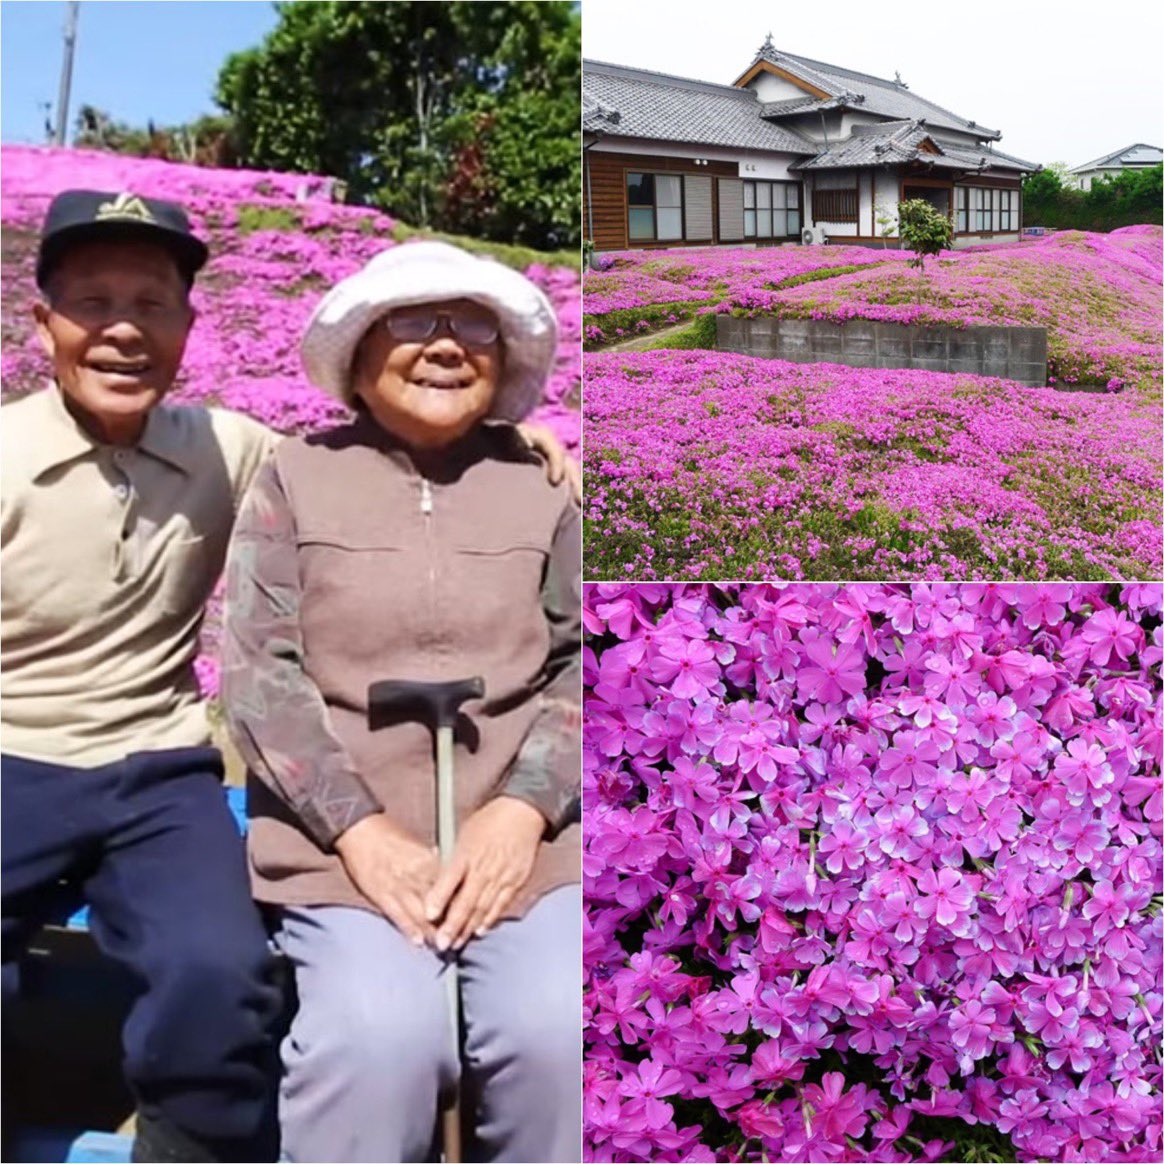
[[794, 150]]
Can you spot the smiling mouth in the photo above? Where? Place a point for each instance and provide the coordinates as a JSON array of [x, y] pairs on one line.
[[121, 368], [442, 383]]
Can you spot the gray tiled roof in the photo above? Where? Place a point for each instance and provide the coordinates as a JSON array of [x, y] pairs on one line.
[[805, 104], [898, 142], [871, 145], [885, 97], [996, 159], [597, 117], [618, 101], [665, 108], [1133, 155]]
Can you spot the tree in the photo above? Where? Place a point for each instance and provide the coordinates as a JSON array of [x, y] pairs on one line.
[[457, 115], [924, 229], [208, 141], [1124, 199]]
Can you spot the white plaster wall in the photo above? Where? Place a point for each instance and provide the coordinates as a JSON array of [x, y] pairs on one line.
[[961, 241], [768, 166], [851, 118], [833, 179], [885, 195], [809, 125], [778, 163], [772, 88], [864, 202]]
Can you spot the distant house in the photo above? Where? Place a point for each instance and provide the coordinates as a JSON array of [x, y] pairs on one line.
[[793, 150], [1133, 157]]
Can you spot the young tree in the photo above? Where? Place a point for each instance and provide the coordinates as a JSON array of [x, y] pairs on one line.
[[455, 115], [924, 229]]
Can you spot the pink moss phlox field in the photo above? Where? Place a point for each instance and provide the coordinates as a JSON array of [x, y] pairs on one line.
[[277, 243], [259, 289], [634, 279], [712, 465], [868, 865], [1098, 296]]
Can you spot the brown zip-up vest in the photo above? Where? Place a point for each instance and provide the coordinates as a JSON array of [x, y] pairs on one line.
[[405, 576]]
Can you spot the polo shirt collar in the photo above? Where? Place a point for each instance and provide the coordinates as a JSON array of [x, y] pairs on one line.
[[61, 439], [165, 438]]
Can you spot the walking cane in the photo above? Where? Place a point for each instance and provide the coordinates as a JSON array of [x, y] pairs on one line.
[[436, 705]]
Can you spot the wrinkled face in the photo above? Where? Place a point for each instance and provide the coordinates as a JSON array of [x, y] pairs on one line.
[[430, 391], [115, 326]]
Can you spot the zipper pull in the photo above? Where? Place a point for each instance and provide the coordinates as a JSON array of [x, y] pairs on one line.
[[425, 496]]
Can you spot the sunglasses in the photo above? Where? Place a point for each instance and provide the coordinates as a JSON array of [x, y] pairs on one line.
[[414, 325]]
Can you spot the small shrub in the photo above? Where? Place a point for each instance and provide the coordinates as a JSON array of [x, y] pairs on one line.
[[924, 229]]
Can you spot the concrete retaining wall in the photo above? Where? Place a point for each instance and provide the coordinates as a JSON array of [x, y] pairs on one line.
[[1016, 353]]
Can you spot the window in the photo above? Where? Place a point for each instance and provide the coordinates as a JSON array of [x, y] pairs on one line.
[[834, 205], [978, 209], [980, 204], [1006, 210], [654, 207], [640, 197], [669, 204], [771, 209]]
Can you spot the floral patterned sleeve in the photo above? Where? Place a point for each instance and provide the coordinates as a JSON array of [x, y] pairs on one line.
[[276, 714], [548, 769]]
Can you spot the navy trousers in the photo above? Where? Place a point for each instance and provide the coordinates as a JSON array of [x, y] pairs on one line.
[[151, 845]]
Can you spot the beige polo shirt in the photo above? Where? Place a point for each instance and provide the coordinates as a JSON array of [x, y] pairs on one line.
[[107, 558]]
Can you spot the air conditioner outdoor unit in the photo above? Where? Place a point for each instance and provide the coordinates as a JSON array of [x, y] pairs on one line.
[[813, 236]]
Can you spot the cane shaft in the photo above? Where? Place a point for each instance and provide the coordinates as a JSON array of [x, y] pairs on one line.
[[446, 794], [446, 840]]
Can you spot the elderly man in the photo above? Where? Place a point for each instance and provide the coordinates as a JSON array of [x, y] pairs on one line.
[[116, 511]]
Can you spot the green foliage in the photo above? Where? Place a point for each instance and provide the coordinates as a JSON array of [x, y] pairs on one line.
[[458, 116], [253, 217], [924, 229], [700, 334], [1126, 199], [819, 274], [628, 318], [517, 257], [207, 141]]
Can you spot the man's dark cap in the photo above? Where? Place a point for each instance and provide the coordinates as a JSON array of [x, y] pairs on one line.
[[76, 216]]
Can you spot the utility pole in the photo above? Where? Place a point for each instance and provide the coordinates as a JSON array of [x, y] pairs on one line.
[[71, 10]]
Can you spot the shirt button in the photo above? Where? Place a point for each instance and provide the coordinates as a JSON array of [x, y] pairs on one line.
[[122, 491], [119, 456]]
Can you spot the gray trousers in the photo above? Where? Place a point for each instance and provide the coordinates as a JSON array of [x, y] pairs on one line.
[[371, 1047]]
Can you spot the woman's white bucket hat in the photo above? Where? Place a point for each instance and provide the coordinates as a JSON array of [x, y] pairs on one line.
[[426, 272]]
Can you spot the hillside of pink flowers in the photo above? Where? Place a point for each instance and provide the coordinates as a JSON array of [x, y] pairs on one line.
[[253, 298], [628, 279], [712, 465], [1098, 295], [257, 292], [872, 872]]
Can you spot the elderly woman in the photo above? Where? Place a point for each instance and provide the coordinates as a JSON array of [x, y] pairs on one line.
[[422, 542]]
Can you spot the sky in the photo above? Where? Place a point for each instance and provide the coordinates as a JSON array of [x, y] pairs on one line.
[[135, 59], [1065, 81]]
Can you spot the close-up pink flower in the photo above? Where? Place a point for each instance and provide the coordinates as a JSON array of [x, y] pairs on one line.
[[873, 872]]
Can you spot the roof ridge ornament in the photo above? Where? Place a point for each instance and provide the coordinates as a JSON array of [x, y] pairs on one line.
[[767, 47], [898, 81]]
